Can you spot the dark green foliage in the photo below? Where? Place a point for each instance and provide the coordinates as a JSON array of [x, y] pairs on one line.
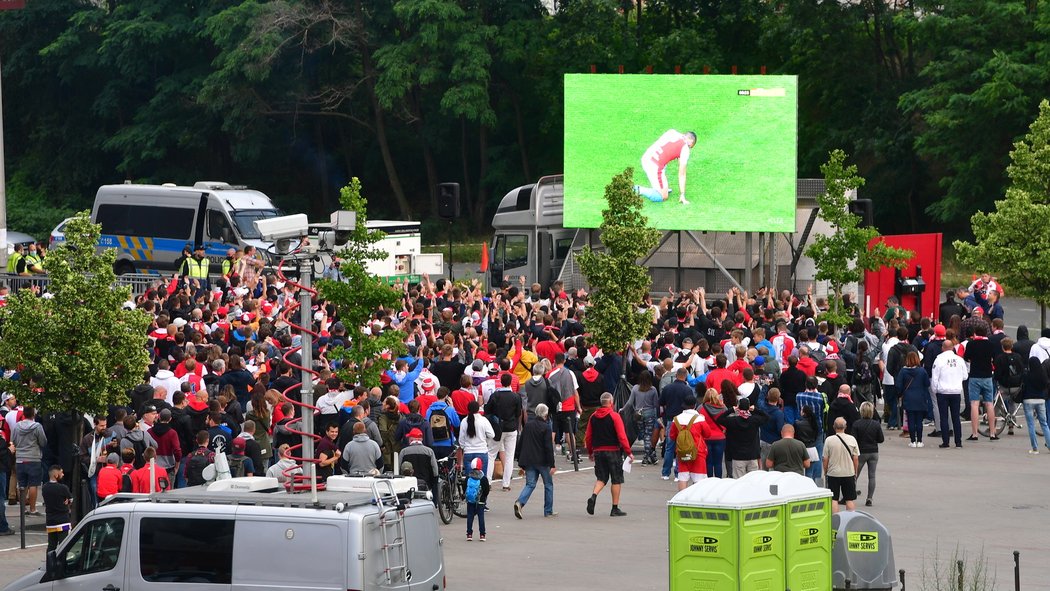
[[295, 97]]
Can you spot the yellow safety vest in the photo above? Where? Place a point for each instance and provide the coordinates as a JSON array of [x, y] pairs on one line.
[[12, 262], [197, 269]]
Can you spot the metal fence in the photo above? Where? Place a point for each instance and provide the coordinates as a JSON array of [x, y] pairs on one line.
[[138, 282]]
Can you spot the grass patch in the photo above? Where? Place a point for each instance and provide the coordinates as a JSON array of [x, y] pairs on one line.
[[953, 272]]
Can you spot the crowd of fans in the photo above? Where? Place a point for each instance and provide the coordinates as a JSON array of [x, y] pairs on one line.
[[720, 386]]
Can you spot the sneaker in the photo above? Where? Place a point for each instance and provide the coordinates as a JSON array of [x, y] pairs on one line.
[[590, 505], [919, 444], [517, 509], [8, 532], [616, 512], [867, 503], [33, 513], [665, 478], [934, 434], [972, 438], [481, 538], [1033, 452], [552, 514], [994, 438], [470, 538], [911, 444], [943, 445], [506, 488]]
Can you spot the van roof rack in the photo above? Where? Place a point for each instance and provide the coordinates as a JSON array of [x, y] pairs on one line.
[[325, 500]]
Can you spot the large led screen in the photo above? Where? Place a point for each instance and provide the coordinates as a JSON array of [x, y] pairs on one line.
[[728, 141]]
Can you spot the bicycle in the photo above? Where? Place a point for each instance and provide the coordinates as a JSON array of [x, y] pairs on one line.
[[1002, 416], [451, 483]]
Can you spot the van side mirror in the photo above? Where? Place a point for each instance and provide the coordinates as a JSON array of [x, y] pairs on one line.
[[53, 567]]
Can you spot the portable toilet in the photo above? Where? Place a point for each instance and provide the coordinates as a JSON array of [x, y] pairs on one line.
[[863, 552], [729, 534], [808, 535]]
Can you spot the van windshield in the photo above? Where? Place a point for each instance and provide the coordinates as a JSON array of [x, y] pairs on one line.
[[245, 218]]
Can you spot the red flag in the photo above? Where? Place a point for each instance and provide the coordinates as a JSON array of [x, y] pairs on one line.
[[12, 4], [484, 257]]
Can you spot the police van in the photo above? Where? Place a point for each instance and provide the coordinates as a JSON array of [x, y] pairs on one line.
[[150, 225], [249, 534]]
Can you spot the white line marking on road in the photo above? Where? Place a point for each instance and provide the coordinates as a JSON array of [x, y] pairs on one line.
[[27, 546]]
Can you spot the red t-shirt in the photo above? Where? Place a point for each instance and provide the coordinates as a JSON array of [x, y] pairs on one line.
[[460, 400], [140, 479]]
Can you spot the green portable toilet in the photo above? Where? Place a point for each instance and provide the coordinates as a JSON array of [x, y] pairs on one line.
[[730, 534], [808, 535]]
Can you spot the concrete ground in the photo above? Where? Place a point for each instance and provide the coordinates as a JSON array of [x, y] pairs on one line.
[[987, 496]]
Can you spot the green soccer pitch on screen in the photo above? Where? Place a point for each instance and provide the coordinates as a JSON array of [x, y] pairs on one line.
[[729, 141]]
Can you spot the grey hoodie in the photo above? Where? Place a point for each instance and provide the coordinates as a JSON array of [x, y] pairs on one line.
[[29, 440]]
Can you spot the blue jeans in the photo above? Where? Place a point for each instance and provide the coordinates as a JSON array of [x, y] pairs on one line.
[[915, 425], [790, 415], [816, 469], [982, 390], [892, 399], [3, 513], [474, 509], [531, 474], [1038, 408], [668, 454], [180, 473], [468, 458], [716, 449]]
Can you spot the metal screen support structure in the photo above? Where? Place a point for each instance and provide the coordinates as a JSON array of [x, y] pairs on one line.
[[714, 260], [306, 352]]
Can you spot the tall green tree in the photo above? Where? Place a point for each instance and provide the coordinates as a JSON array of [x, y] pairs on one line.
[[359, 295], [982, 78], [842, 256], [1014, 240], [618, 282], [80, 347]]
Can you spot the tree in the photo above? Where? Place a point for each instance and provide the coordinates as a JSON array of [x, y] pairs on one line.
[[618, 282], [842, 256], [359, 295], [83, 350], [1014, 240]]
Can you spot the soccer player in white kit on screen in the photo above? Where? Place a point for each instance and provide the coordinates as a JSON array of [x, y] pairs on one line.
[[672, 145]]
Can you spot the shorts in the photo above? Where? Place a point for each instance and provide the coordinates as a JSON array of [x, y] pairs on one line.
[[843, 488], [29, 473], [691, 476], [980, 390], [608, 465]]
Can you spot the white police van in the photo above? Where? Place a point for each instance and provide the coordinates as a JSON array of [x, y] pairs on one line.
[[248, 534], [150, 225]]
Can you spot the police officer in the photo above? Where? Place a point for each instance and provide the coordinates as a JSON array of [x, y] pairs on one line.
[[12, 261], [196, 267]]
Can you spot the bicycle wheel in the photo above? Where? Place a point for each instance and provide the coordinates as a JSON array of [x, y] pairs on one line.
[[1000, 419], [459, 509], [445, 502]]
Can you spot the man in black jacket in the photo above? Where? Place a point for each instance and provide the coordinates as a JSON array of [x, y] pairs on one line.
[[536, 458], [742, 431], [506, 405]]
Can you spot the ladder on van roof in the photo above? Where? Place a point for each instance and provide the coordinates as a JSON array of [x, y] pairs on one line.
[[391, 524]]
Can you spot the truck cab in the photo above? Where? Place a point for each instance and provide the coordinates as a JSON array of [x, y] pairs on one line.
[[530, 239]]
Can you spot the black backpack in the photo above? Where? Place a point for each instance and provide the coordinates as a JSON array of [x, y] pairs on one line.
[[125, 483], [139, 445], [1015, 371], [236, 465], [198, 461]]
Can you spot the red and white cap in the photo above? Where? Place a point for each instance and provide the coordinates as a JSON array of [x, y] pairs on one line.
[[429, 384]]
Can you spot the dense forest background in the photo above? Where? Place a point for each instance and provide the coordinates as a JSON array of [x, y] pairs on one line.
[[294, 97]]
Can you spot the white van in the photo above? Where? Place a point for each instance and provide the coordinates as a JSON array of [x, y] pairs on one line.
[[149, 225], [240, 539]]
